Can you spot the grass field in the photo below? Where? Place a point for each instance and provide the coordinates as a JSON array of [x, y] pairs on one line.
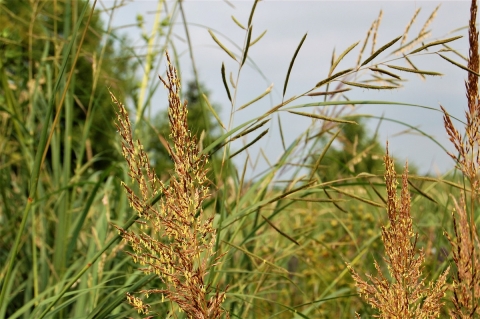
[[89, 229]]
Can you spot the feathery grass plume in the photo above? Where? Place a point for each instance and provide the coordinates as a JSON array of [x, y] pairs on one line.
[[177, 240], [465, 255], [407, 295], [466, 249]]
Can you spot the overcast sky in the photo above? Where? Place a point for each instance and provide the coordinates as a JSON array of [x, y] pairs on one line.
[[330, 24]]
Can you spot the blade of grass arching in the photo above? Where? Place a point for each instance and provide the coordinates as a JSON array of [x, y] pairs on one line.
[[325, 118], [291, 64], [431, 44], [459, 65], [414, 70], [322, 155], [213, 112], [250, 144], [367, 201], [386, 72], [221, 45], [333, 77], [247, 45], [341, 56], [369, 86], [83, 215], [267, 91], [41, 150], [116, 298], [430, 198], [376, 53], [258, 38]]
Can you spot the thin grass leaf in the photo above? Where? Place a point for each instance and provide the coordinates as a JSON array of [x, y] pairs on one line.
[[412, 42], [367, 201], [281, 132], [430, 198], [459, 65], [322, 155], [250, 18], [231, 80], [330, 78], [329, 92], [238, 23], [225, 82], [378, 193], [322, 117], [317, 200], [334, 203], [414, 70], [247, 45], [414, 67], [291, 64], [456, 52], [344, 53], [213, 111], [245, 132], [221, 45], [431, 44], [267, 91], [376, 53], [368, 86], [283, 270], [280, 232], [258, 38], [386, 72], [250, 144]]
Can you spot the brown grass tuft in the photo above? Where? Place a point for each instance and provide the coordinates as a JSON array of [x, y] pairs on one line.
[[406, 295], [177, 241]]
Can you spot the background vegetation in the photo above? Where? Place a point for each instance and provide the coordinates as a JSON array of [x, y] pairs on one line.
[[284, 238]]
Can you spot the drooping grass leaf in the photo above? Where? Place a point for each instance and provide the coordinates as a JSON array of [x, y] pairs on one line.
[[376, 53], [291, 64]]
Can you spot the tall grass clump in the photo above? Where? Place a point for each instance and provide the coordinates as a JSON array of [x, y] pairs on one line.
[[406, 294], [466, 245], [175, 241]]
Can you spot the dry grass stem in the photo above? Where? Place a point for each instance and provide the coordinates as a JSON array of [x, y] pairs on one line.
[[466, 247], [177, 240], [406, 295]]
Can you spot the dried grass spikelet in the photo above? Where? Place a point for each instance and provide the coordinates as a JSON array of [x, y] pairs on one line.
[[466, 285], [466, 248], [407, 295], [177, 241]]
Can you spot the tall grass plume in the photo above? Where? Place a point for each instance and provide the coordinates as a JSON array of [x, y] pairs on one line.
[[406, 295], [177, 240]]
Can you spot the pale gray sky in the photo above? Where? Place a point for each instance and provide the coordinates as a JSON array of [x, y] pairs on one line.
[[330, 24]]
